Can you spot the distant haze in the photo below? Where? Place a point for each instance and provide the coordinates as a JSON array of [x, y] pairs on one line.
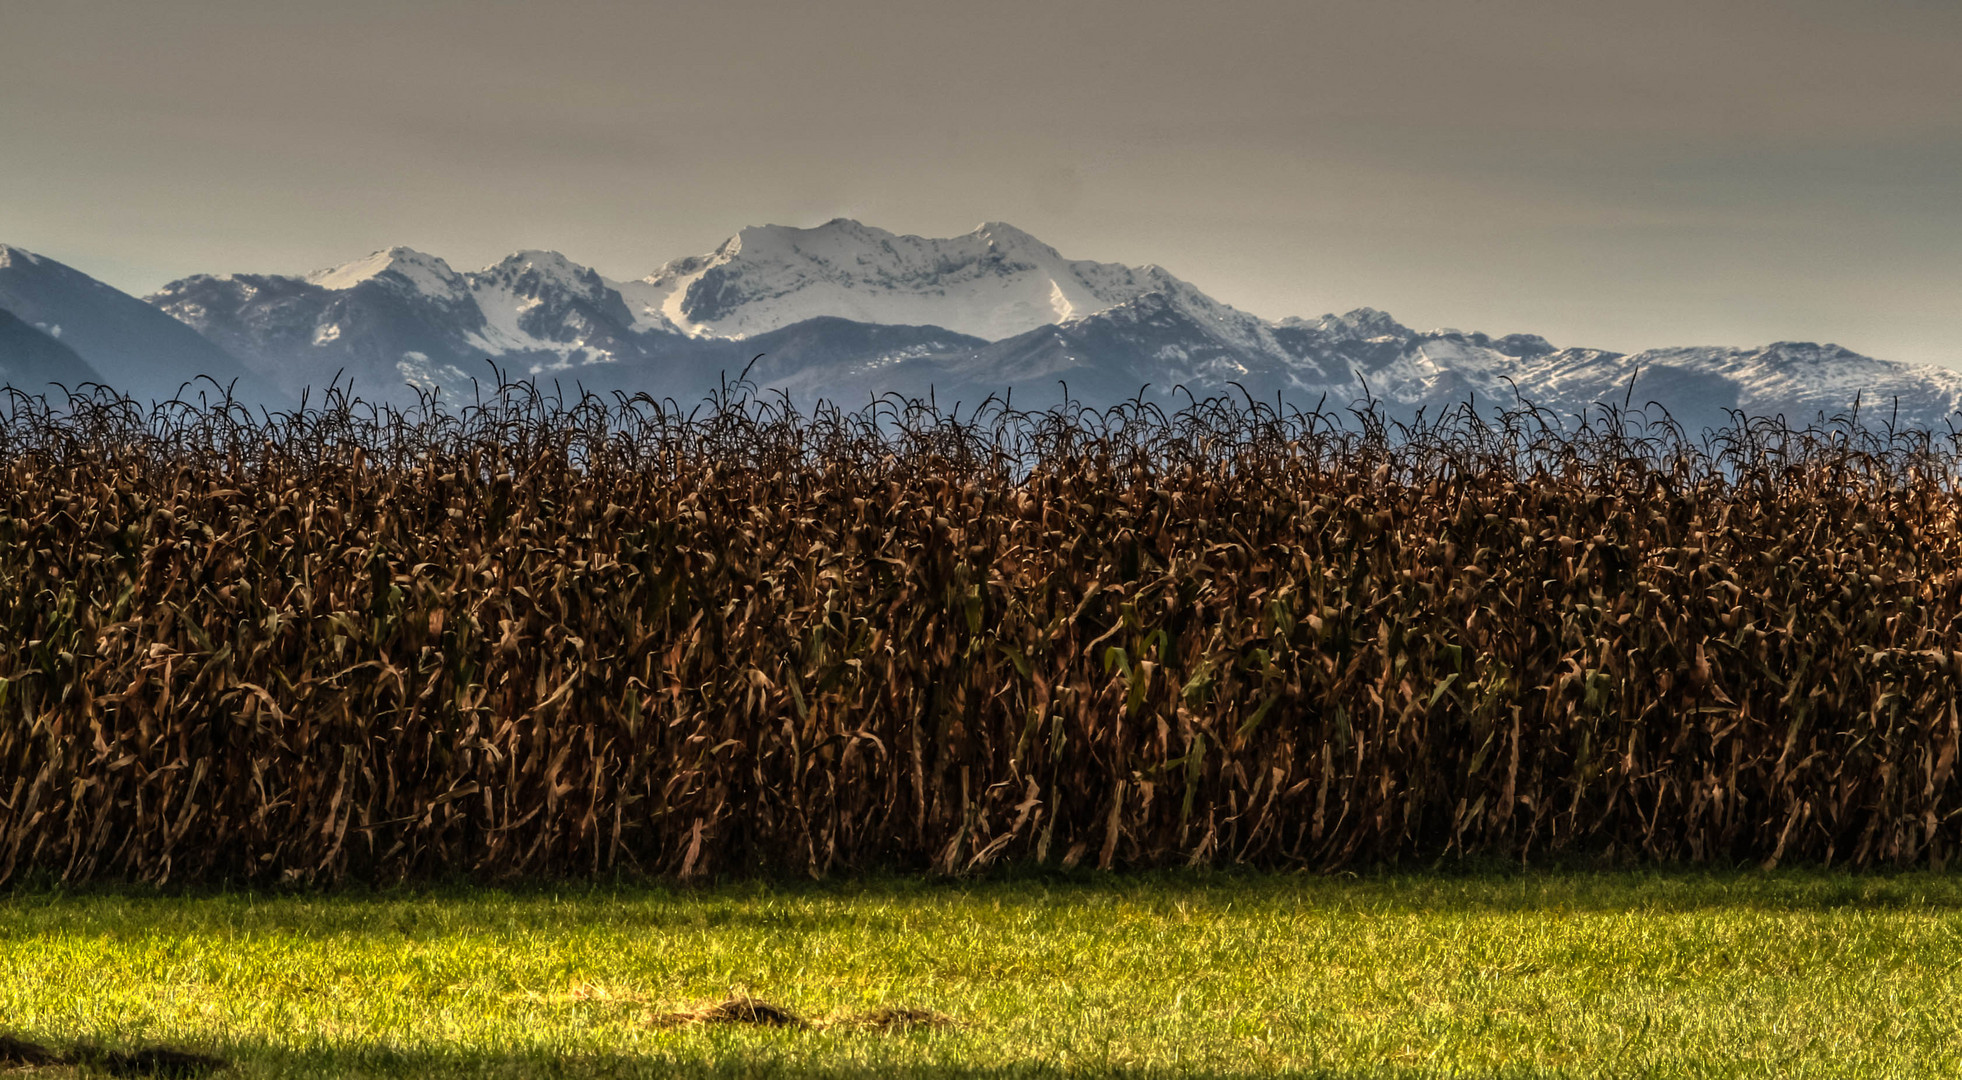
[[1620, 175]]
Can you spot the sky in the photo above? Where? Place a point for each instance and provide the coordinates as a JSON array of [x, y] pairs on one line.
[[1619, 175]]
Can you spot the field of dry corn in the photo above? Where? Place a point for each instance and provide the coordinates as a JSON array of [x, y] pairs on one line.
[[535, 637]]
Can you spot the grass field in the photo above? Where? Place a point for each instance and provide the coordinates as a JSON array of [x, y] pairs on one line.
[[1789, 974]]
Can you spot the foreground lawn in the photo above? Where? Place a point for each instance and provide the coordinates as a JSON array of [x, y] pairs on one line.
[[1790, 974]]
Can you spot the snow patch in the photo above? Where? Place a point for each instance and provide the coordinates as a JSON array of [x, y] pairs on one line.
[[416, 369], [426, 274]]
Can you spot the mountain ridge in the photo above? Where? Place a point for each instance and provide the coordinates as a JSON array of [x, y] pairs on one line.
[[133, 346], [846, 310]]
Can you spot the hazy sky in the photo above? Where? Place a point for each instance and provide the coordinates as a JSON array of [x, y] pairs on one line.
[[1618, 174]]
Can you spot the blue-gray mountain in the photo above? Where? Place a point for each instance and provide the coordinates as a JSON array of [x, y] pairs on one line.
[[844, 311], [33, 356], [125, 342]]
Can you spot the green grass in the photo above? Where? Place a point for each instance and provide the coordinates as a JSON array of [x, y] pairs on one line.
[[1790, 974]]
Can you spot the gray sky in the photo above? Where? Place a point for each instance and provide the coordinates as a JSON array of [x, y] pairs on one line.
[[1618, 174]]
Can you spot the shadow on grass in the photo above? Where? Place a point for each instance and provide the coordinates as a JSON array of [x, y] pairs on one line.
[[757, 902]]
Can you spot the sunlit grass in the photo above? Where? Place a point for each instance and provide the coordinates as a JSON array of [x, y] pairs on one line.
[[1792, 974]]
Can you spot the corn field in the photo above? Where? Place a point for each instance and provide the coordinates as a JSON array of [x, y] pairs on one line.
[[544, 636]]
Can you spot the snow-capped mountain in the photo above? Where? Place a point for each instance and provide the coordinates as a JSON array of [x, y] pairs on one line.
[[1339, 361], [397, 316], [992, 283], [34, 359], [402, 317], [540, 302], [127, 343], [844, 311]]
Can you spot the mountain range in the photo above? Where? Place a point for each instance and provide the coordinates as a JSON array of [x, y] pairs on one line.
[[845, 312]]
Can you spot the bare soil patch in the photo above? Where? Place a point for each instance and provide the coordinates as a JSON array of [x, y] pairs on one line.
[[736, 1010], [161, 1061], [21, 1054], [744, 1009]]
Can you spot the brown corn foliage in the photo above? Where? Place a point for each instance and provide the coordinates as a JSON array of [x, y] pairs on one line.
[[533, 637]]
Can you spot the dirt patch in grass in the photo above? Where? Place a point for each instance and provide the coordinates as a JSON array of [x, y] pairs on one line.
[[158, 1061], [736, 1010], [21, 1054], [146, 1061], [748, 1010]]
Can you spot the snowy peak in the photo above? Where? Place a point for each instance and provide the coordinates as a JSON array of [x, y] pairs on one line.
[[1807, 378], [544, 304], [401, 315], [994, 282], [535, 272], [1003, 237], [1361, 324], [10, 255], [530, 279], [399, 267], [1523, 345], [1803, 353]]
